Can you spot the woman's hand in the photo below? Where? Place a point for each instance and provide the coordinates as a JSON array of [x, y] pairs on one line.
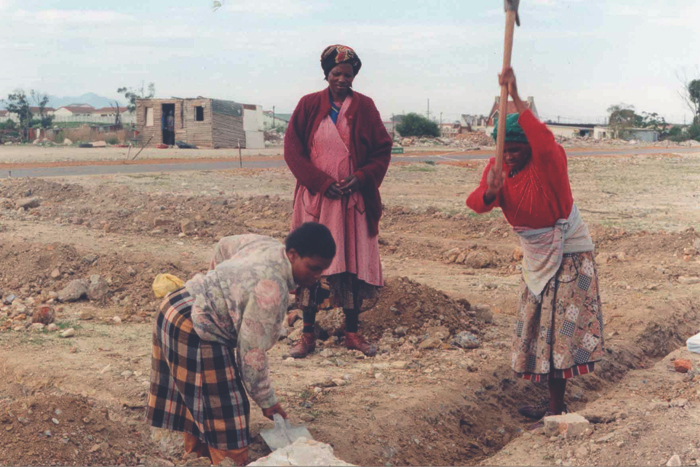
[[334, 191], [508, 79], [494, 181], [277, 408], [350, 185]]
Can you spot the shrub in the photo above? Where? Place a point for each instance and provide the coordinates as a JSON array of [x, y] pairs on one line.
[[417, 125]]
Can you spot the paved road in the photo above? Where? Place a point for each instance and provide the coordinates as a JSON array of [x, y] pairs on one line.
[[262, 163]]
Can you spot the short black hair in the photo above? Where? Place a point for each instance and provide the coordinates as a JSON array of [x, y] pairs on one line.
[[311, 239]]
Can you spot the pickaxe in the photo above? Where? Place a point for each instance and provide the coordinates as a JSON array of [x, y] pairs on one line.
[[512, 18]]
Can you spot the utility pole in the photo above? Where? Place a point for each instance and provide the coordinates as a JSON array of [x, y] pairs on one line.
[[428, 113], [440, 118], [393, 127], [273, 117]]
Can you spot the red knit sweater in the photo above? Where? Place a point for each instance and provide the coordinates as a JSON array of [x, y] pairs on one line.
[[370, 148], [540, 193]]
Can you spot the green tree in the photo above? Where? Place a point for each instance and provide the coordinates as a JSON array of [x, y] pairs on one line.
[[654, 121], [690, 93], [18, 104], [132, 95], [621, 118], [417, 125], [41, 99], [8, 125]]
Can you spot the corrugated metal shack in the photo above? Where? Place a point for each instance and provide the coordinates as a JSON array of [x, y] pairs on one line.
[[203, 122]]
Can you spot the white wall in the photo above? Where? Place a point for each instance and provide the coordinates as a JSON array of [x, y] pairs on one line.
[[567, 132], [254, 140], [253, 119]]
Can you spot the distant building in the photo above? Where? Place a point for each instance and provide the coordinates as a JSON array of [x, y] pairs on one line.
[[473, 122], [511, 109], [201, 121], [6, 115], [450, 130], [571, 130], [647, 135], [75, 110], [109, 111]]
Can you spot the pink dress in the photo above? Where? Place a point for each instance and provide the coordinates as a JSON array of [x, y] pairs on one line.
[[357, 252]]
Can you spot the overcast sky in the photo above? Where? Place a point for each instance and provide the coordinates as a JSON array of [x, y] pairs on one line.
[[576, 57]]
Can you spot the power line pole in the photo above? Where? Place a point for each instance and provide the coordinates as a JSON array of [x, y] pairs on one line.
[[428, 112], [273, 117]]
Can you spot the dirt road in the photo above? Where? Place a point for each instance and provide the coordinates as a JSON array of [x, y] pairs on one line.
[[412, 404]]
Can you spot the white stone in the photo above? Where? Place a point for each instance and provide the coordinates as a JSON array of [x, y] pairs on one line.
[[70, 332], [302, 452], [674, 461], [569, 425]]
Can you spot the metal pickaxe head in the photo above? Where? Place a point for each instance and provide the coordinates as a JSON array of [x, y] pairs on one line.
[[512, 5]]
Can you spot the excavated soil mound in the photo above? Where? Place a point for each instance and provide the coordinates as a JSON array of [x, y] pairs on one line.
[[16, 189], [408, 304], [123, 210], [38, 269], [64, 430]]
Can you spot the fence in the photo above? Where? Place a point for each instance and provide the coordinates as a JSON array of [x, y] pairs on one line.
[[127, 118]]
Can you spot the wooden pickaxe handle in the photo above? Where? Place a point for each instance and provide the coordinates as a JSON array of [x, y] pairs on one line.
[[511, 19]]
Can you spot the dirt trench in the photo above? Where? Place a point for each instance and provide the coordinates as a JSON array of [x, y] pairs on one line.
[[474, 420], [440, 407]]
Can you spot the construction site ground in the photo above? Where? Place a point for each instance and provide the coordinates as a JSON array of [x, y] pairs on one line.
[[422, 401]]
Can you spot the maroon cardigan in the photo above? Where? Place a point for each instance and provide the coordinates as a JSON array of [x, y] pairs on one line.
[[370, 148]]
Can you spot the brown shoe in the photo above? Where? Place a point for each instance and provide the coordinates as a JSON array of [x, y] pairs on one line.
[[354, 341], [305, 346]]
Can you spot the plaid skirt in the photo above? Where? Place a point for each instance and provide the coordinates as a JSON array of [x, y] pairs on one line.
[[196, 386], [561, 335]]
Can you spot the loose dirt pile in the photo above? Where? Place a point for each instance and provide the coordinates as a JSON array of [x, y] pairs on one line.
[[64, 430], [48, 190], [122, 210], [41, 270], [415, 307]]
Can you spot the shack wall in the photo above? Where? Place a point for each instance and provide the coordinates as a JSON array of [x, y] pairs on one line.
[[227, 126], [193, 132]]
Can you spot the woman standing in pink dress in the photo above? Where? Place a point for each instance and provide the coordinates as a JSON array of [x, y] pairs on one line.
[[339, 150]]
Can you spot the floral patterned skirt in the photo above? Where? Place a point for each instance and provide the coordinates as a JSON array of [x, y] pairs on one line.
[[562, 335]]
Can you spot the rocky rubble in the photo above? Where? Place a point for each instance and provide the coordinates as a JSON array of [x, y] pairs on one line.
[[301, 452], [475, 257], [474, 140]]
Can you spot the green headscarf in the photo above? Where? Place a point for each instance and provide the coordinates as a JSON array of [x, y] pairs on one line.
[[514, 132]]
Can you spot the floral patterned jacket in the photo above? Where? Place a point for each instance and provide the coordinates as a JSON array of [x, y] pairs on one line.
[[241, 303]]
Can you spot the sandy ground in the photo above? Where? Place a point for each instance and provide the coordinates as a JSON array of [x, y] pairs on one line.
[[409, 405]]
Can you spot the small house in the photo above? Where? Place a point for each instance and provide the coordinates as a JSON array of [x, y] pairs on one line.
[[510, 109], [203, 122], [75, 110]]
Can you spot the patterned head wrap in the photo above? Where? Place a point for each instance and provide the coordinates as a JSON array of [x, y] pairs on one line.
[[334, 55], [514, 132]]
